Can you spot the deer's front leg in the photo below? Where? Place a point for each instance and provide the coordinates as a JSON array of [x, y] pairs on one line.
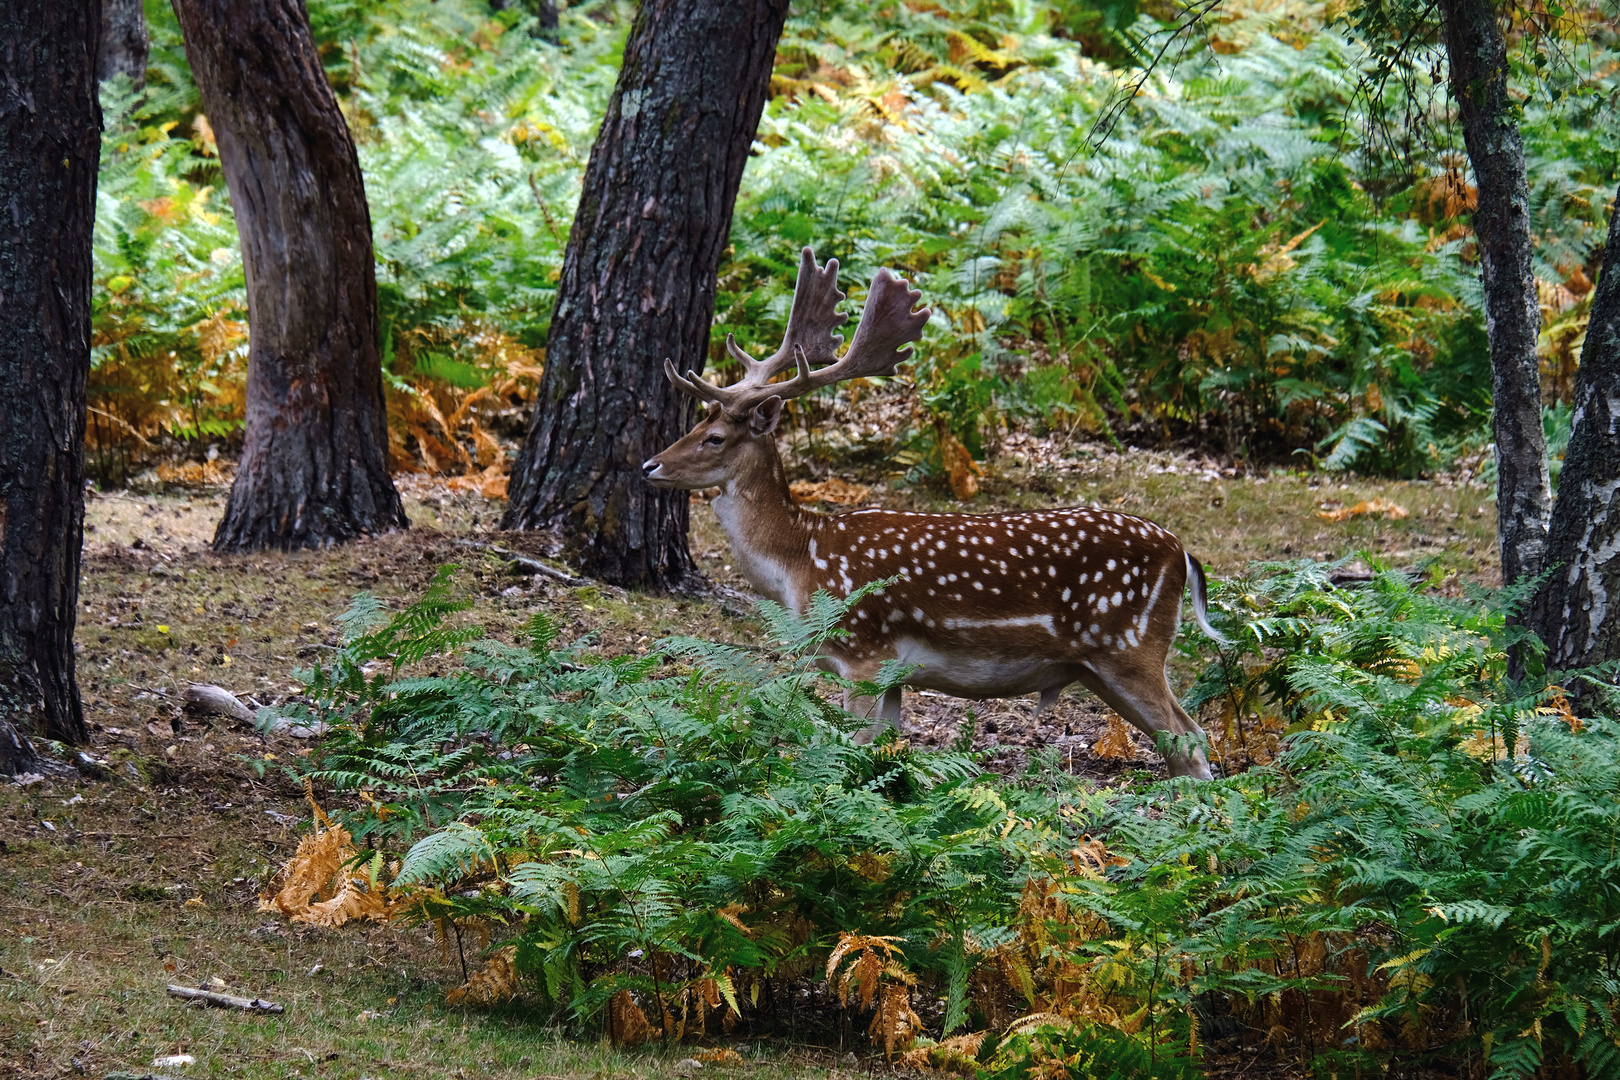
[[882, 709]]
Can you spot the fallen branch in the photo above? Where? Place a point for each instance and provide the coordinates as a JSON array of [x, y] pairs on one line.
[[208, 698], [527, 565], [224, 1001], [524, 564]]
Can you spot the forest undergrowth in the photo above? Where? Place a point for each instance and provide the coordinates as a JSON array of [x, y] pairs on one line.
[[1239, 264], [1408, 864], [100, 916]]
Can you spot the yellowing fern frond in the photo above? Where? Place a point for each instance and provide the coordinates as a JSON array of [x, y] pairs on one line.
[[1116, 742], [314, 886], [627, 1024], [495, 982], [957, 1054], [895, 1023]]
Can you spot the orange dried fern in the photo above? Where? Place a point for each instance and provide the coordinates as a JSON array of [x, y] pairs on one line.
[[495, 982], [319, 885], [870, 960]]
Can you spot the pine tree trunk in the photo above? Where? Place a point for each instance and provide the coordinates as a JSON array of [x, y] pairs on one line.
[[638, 285], [1477, 52], [1577, 610], [314, 468], [50, 148], [124, 42]]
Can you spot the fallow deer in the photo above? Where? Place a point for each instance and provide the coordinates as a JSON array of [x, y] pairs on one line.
[[984, 605]]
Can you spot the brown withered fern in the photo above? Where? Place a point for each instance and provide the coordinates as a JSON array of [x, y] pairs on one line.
[[871, 960], [319, 885]]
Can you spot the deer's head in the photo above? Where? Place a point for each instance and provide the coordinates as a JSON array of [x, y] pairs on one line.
[[734, 432]]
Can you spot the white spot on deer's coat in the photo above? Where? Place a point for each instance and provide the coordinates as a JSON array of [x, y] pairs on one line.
[[1102, 605], [1018, 620], [1065, 594], [1153, 597]]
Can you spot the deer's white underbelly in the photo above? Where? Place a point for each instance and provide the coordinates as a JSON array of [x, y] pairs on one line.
[[972, 674]]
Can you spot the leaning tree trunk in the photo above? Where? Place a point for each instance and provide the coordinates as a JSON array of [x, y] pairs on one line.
[[124, 42], [638, 285], [50, 148], [1577, 609], [314, 466], [1477, 51]]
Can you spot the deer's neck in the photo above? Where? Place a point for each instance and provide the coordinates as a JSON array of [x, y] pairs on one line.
[[769, 534]]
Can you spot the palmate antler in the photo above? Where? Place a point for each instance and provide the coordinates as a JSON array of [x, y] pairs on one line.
[[811, 346]]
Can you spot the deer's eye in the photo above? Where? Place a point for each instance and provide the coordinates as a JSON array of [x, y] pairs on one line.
[[715, 440]]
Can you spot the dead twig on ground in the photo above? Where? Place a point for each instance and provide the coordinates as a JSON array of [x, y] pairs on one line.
[[224, 1001]]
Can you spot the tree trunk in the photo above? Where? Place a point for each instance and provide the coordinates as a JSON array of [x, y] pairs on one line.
[[314, 468], [638, 285], [50, 149], [1577, 610], [1477, 51], [124, 42], [544, 12]]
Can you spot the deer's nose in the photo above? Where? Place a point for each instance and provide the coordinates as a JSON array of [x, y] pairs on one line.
[[649, 467]]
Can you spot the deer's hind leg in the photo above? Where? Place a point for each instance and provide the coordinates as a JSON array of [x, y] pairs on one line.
[[1142, 695]]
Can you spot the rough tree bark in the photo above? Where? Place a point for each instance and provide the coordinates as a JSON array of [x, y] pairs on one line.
[[1577, 609], [124, 42], [1477, 51], [50, 146], [314, 466], [638, 285]]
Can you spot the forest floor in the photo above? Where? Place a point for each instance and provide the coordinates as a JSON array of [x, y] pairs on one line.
[[113, 888]]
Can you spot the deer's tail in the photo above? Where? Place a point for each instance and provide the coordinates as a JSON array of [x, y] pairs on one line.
[[1200, 599]]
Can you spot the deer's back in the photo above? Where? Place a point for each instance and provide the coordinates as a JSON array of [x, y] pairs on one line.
[[1004, 599]]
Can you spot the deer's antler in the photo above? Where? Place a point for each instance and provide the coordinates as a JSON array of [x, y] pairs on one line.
[[811, 346]]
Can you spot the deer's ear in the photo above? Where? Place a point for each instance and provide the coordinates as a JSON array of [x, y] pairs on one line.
[[764, 417]]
